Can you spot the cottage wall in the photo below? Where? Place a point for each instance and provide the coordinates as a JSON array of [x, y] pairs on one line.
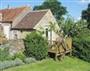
[[45, 22], [8, 33], [6, 29]]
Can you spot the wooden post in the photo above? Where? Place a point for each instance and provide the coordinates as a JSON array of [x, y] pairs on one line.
[[71, 52], [56, 56]]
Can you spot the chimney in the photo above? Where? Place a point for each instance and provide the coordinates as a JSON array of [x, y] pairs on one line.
[[8, 6]]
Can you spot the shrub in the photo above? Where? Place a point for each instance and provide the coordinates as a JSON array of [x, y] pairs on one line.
[[10, 63], [18, 62], [82, 49], [4, 54], [81, 45], [36, 46], [30, 60], [19, 55]]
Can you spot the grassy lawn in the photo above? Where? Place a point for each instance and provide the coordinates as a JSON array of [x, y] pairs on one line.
[[67, 64]]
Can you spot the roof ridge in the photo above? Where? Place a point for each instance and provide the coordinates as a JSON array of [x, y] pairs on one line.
[[15, 8], [40, 10]]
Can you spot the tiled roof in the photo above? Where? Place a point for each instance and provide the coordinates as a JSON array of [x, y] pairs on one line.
[[10, 14], [30, 20]]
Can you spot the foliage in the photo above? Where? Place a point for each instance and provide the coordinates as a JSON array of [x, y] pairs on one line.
[[72, 28], [86, 15], [4, 54], [36, 46], [81, 45], [19, 55], [10, 63], [67, 64], [55, 6], [68, 26], [80, 35], [29, 60]]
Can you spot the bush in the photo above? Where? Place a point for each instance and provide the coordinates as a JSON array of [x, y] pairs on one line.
[[19, 55], [36, 46], [30, 60], [82, 49], [10, 63], [81, 45], [18, 62], [4, 54]]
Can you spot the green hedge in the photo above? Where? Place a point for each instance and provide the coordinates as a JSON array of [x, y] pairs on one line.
[[36, 46]]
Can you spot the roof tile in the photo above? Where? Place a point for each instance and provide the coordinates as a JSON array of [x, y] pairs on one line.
[[30, 20], [10, 14]]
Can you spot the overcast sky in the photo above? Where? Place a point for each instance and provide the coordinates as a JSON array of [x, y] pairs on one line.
[[74, 7]]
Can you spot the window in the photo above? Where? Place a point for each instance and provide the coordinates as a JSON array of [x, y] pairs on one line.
[[47, 33], [15, 35]]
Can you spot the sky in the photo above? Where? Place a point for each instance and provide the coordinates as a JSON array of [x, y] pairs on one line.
[[74, 7]]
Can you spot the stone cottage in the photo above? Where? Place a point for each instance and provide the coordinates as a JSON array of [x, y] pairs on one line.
[[18, 22]]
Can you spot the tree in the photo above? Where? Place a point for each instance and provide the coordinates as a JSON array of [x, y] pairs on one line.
[[86, 15], [68, 26], [55, 6], [81, 40], [72, 28]]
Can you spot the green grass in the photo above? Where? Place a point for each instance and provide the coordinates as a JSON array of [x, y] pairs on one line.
[[67, 64]]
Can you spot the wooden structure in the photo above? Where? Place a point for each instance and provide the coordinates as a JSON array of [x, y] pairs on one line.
[[60, 48]]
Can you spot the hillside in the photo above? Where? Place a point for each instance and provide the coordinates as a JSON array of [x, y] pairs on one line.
[[67, 64]]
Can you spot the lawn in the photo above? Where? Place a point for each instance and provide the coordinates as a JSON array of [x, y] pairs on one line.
[[67, 64]]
